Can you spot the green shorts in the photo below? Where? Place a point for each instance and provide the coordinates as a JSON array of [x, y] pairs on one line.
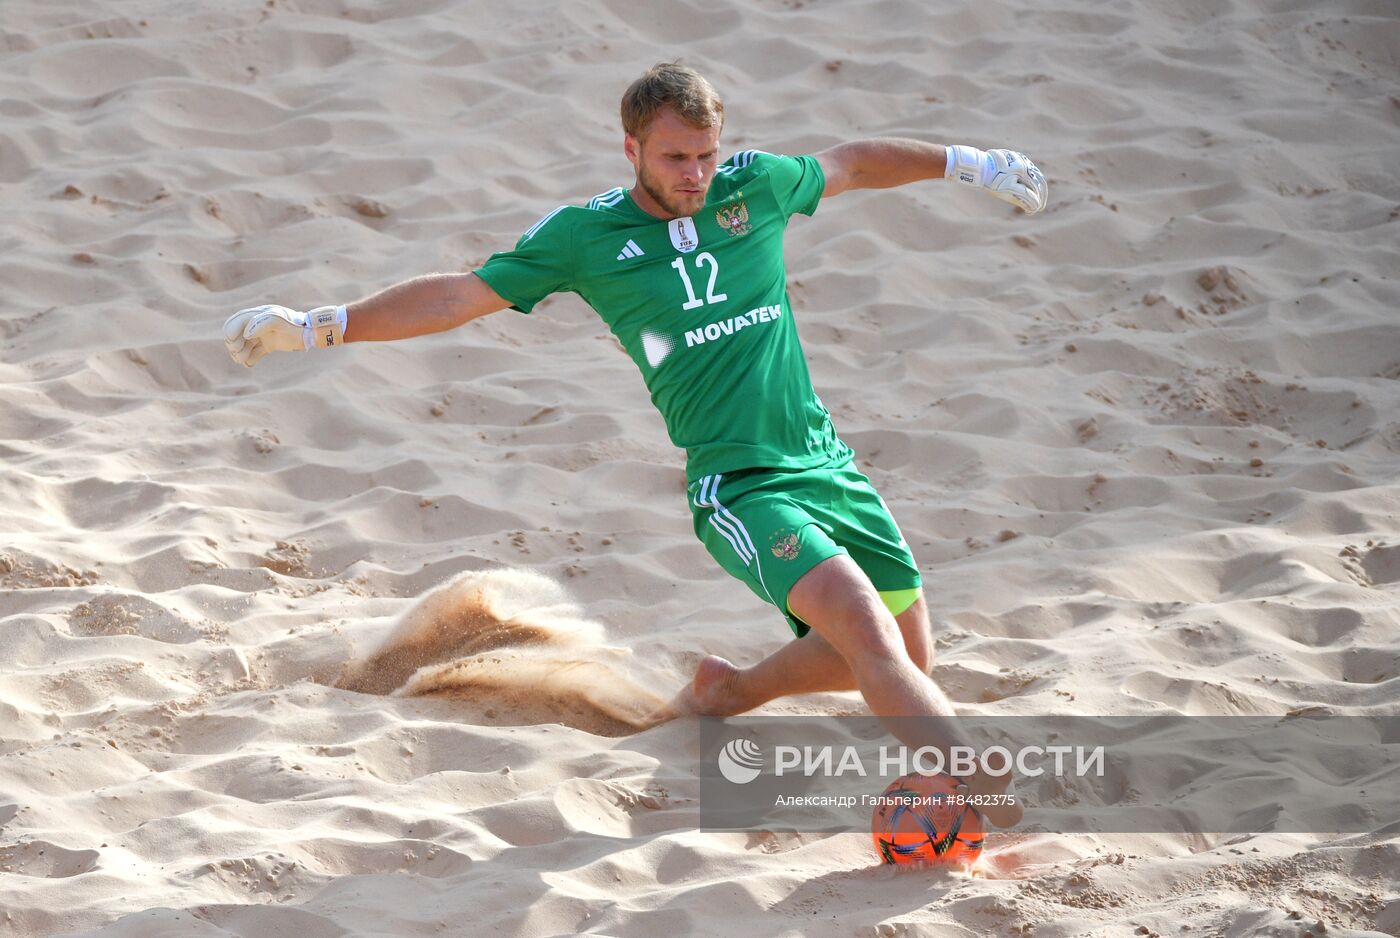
[[768, 527]]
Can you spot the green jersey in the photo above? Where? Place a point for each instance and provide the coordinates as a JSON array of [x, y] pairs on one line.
[[700, 304]]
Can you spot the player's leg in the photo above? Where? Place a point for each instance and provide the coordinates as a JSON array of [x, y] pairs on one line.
[[808, 665], [917, 629], [838, 601]]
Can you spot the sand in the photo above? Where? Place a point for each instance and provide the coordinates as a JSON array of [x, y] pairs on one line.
[[1144, 446]]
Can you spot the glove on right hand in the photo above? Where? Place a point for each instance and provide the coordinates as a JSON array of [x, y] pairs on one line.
[[249, 334]]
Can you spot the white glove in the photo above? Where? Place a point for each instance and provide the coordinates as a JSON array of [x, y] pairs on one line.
[[1006, 174], [251, 333]]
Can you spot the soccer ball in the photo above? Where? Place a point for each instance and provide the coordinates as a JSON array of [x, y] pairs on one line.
[[918, 820]]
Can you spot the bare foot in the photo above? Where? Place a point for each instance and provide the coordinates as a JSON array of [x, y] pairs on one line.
[[712, 692]]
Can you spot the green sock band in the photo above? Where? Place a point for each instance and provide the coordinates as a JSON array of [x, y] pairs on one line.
[[897, 601]]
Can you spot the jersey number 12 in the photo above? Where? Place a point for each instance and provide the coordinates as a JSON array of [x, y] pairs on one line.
[[701, 259]]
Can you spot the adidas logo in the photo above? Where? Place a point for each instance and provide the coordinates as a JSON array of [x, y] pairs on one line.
[[630, 250]]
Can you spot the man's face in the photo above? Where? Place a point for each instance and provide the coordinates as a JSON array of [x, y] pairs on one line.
[[675, 164]]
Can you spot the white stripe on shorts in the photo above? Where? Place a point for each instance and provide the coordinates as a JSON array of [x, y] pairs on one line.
[[723, 518], [705, 499]]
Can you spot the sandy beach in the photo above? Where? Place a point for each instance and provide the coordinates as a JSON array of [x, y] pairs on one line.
[[1144, 445]]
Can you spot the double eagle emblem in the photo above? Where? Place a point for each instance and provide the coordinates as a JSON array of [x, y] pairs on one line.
[[734, 219], [786, 544]]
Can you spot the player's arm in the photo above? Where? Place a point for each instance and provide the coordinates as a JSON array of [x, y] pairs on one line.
[[884, 162], [432, 303]]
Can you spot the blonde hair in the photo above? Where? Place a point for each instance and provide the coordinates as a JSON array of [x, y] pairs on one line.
[[670, 83]]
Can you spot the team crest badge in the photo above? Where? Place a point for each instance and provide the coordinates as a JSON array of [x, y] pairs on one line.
[[786, 546], [734, 219]]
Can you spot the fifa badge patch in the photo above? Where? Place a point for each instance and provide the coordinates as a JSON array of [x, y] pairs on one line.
[[734, 219], [786, 546], [683, 234]]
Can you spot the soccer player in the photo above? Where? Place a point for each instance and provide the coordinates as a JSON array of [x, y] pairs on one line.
[[686, 268]]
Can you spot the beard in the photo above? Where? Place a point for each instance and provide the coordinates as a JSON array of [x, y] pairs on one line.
[[670, 201]]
